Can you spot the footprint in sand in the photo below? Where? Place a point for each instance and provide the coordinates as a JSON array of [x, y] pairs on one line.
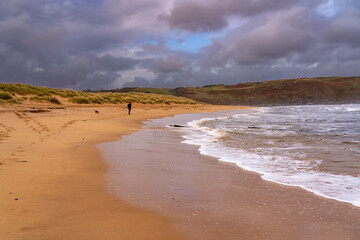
[[21, 161], [20, 149], [33, 124], [13, 159], [5, 133]]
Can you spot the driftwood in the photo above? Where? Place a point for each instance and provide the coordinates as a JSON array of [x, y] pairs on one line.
[[175, 125]]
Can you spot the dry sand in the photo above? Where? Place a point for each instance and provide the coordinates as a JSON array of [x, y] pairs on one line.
[[52, 176]]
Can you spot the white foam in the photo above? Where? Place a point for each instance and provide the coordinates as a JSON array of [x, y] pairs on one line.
[[347, 107], [279, 169]]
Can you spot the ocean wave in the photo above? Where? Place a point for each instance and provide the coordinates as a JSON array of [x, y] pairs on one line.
[[271, 164]]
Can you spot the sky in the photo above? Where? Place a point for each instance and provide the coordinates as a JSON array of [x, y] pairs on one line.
[[107, 44]]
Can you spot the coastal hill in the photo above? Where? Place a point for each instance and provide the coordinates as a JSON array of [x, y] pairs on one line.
[[324, 90]]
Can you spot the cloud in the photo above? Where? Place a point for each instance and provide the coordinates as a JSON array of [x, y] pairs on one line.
[[195, 16], [171, 64], [345, 28], [80, 72], [283, 33], [66, 48], [111, 43], [212, 15]]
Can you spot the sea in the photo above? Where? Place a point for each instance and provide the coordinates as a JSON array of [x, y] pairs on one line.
[[315, 147]]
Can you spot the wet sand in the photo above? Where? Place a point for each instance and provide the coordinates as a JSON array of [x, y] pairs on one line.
[[52, 175], [208, 199]]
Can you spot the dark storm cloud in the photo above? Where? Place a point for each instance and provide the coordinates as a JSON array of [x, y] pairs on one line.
[[57, 43], [212, 15], [346, 28], [283, 33], [195, 16], [81, 72], [41, 53], [171, 64], [98, 44]]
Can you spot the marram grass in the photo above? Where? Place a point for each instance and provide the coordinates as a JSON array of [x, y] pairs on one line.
[[19, 93]]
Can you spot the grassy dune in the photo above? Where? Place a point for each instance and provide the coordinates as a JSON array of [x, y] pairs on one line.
[[22, 93]]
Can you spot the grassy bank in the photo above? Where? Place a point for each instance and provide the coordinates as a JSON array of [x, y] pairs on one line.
[[22, 93], [324, 90]]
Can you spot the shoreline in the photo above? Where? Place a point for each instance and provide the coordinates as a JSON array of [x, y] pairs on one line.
[[233, 202], [55, 186], [323, 181]]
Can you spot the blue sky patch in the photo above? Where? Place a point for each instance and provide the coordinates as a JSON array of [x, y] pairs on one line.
[[328, 9], [192, 42]]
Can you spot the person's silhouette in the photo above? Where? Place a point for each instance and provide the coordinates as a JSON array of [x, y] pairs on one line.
[[129, 107]]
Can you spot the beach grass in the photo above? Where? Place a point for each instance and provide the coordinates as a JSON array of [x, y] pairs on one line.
[[20, 93]]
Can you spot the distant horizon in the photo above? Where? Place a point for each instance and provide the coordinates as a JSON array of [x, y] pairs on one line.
[[95, 90]]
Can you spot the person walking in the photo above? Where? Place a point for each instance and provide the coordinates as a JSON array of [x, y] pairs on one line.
[[129, 107]]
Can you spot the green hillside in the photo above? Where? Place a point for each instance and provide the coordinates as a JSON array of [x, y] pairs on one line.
[[325, 90]]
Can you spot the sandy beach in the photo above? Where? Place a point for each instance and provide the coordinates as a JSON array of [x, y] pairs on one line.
[[179, 120], [52, 175], [210, 199]]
